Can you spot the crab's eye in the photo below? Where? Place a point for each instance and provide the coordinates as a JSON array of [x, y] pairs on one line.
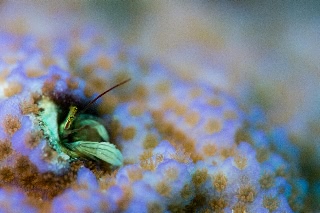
[[72, 112]]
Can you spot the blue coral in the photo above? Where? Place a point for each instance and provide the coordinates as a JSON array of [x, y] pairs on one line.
[[14, 201], [186, 146]]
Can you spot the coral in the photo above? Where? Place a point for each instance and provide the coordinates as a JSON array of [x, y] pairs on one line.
[[220, 182], [16, 203], [12, 89], [11, 124], [271, 203], [246, 194], [187, 147]]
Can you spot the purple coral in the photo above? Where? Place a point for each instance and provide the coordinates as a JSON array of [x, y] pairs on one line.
[[186, 146], [14, 201]]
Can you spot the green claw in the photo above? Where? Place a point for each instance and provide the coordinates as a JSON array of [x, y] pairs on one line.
[[97, 150]]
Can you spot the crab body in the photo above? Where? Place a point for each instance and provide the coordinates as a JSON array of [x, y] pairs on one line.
[[84, 137]]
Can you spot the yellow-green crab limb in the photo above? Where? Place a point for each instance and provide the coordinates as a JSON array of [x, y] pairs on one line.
[[95, 150], [89, 124]]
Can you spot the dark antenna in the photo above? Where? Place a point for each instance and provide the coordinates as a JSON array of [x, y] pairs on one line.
[[99, 96]]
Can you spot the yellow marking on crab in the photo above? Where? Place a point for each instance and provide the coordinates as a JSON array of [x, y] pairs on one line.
[[71, 115]]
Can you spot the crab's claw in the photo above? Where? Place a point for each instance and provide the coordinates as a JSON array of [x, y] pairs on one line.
[[102, 150]]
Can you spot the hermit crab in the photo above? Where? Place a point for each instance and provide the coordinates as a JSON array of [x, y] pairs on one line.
[[80, 135]]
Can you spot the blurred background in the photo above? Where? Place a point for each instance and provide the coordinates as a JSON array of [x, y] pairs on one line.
[[262, 52]]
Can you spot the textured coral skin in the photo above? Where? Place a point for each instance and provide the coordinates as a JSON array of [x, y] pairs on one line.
[[187, 147]]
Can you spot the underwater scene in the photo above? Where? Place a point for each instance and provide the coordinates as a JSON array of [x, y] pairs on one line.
[[159, 106]]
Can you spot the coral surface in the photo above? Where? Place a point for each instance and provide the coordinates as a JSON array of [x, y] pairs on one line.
[[187, 147]]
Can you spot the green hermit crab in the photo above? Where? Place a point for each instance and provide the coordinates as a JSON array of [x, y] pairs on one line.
[[80, 135]]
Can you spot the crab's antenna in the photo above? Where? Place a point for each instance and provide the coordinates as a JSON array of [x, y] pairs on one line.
[[99, 96], [74, 110]]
